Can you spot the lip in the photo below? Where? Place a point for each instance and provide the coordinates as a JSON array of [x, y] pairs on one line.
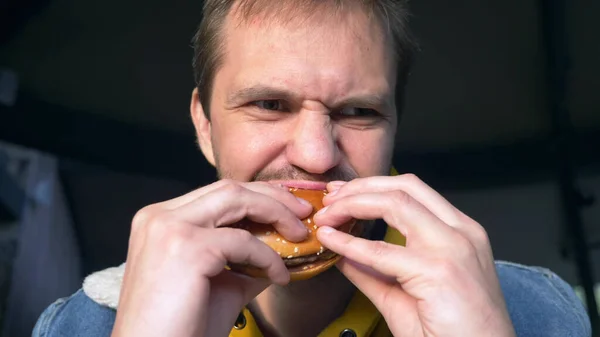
[[302, 184]]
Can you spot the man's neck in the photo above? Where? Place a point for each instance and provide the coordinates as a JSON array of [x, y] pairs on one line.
[[305, 308], [302, 308]]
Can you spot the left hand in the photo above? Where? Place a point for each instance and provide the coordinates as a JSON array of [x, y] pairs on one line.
[[443, 283]]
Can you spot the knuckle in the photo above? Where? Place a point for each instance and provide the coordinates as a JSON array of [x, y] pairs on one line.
[[158, 225], [480, 236], [238, 235], [184, 243], [222, 182], [174, 241], [410, 179], [161, 219], [143, 215], [228, 182], [377, 253], [378, 249], [400, 198], [230, 186], [463, 248]]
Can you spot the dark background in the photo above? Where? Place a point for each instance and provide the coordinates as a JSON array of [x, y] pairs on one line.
[[502, 117]]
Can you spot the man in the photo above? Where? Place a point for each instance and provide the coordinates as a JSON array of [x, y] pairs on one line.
[[301, 93]]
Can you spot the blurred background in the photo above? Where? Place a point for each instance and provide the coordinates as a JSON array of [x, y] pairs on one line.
[[502, 117]]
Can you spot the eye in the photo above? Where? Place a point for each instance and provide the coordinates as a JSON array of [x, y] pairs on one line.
[[358, 112], [272, 104]]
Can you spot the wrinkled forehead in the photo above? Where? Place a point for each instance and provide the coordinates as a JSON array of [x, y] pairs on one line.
[[329, 48], [354, 15]]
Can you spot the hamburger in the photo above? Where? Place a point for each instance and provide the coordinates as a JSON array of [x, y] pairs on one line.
[[304, 259]]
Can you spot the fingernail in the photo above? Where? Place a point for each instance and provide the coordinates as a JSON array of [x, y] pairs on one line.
[[326, 230], [335, 185], [301, 224], [334, 192], [304, 202], [322, 211]]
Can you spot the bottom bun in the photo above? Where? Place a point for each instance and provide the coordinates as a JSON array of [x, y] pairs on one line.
[[299, 273]]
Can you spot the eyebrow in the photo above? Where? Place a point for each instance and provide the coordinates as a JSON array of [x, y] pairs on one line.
[[373, 101], [258, 92], [263, 92]]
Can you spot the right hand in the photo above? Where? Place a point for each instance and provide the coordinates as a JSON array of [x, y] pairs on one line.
[[175, 282]]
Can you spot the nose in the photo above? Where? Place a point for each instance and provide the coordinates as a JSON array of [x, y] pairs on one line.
[[313, 145]]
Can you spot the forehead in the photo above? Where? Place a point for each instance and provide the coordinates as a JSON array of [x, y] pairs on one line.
[[323, 54]]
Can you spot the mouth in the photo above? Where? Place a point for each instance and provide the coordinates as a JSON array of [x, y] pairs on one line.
[[300, 260], [302, 184], [298, 263]]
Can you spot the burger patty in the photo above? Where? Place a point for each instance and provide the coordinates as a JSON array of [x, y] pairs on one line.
[[295, 261]]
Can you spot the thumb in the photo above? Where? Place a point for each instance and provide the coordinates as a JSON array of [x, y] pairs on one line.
[[367, 280], [229, 294], [396, 306], [245, 287]]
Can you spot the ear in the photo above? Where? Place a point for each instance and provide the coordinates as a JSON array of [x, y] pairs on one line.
[[203, 127]]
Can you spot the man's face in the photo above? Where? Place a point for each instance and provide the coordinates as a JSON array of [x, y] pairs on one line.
[[307, 100]]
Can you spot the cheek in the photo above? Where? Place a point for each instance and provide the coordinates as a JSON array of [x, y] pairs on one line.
[[368, 152], [246, 149]]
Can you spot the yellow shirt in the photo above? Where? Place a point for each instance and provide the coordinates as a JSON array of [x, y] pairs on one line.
[[361, 317]]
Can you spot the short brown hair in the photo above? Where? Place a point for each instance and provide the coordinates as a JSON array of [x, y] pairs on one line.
[[208, 41]]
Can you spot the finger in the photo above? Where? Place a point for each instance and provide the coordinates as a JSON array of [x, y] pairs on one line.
[[374, 285], [232, 203], [300, 207], [425, 195], [397, 209], [417, 223], [231, 282], [195, 194], [410, 184], [237, 246], [363, 276], [385, 258]]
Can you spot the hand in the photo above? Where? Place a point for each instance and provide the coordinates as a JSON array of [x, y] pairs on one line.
[[443, 283], [175, 282]]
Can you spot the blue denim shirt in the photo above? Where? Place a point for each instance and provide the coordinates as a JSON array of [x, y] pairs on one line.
[[539, 302]]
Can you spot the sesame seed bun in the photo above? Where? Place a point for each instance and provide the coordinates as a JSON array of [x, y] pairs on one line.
[[304, 259]]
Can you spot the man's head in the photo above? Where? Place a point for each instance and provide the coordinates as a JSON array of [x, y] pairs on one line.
[[299, 89]]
